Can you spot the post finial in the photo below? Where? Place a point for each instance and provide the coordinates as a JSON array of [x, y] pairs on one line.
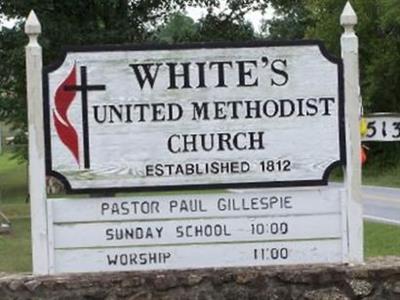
[[32, 25], [348, 17]]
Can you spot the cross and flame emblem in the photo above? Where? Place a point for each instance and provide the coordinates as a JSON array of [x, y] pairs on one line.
[[64, 97]]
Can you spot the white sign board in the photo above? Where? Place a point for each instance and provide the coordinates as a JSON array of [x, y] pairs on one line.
[[382, 127], [191, 117], [235, 228], [194, 116]]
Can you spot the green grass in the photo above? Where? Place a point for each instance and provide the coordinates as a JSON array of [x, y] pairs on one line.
[[15, 248], [13, 176], [381, 239]]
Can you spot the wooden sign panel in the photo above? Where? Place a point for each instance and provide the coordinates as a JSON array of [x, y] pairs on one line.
[[227, 228], [181, 117], [174, 257], [382, 127]]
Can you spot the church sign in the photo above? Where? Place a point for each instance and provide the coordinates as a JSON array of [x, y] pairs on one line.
[[261, 114], [243, 136]]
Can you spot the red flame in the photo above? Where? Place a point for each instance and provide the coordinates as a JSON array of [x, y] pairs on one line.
[[65, 130]]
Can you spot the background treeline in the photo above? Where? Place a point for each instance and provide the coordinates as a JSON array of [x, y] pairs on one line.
[[77, 22]]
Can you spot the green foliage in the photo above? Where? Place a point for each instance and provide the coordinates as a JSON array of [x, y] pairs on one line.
[[290, 22], [212, 27], [390, 17], [215, 28], [12, 82], [179, 28], [383, 171]]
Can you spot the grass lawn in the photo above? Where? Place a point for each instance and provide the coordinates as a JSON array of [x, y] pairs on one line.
[[15, 248], [381, 239], [13, 187]]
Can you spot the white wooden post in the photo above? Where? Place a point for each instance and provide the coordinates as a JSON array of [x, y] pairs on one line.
[[349, 44], [37, 179]]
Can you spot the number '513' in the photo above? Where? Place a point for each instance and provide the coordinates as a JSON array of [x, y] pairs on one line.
[[372, 129]]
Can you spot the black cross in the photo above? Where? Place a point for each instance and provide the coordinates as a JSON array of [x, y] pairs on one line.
[[84, 88]]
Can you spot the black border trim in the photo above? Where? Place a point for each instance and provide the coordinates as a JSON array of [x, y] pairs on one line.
[[213, 45]]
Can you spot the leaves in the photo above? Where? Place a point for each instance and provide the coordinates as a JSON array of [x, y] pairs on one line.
[[179, 28]]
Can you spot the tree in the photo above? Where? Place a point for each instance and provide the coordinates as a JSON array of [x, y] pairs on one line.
[[290, 22], [214, 28], [12, 83], [179, 28]]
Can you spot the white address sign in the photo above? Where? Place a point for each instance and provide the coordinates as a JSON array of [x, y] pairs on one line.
[[382, 127]]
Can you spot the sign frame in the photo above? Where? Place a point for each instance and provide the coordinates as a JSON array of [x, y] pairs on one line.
[[42, 230], [213, 45]]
